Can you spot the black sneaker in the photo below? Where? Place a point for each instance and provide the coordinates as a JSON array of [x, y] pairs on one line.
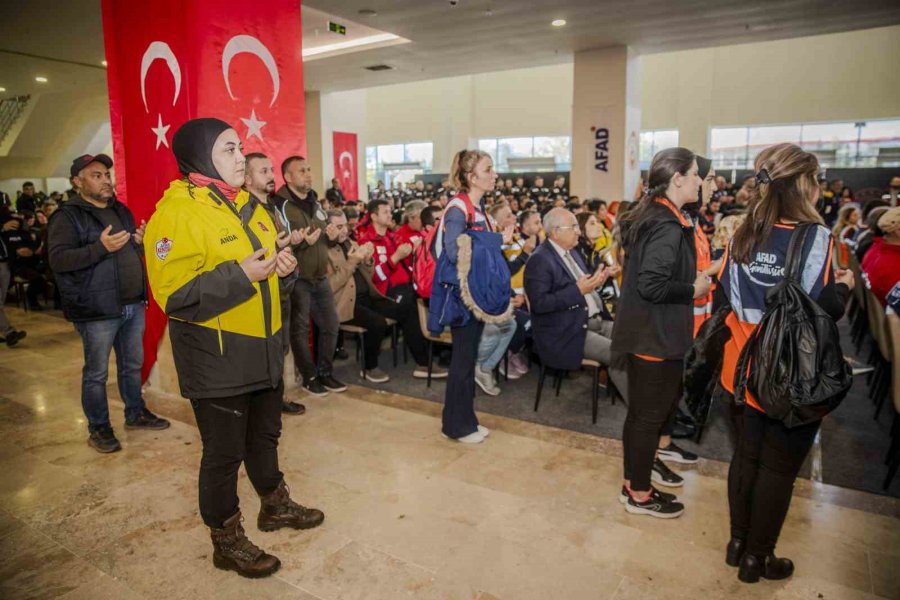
[[663, 475], [341, 354], [292, 408], [623, 495], [14, 337], [147, 420], [673, 453], [331, 384], [104, 441], [655, 506], [315, 387]]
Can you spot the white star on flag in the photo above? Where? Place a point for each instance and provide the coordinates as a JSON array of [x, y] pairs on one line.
[[254, 125], [160, 131]]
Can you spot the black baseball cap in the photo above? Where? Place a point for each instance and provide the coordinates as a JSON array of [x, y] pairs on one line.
[[84, 160]]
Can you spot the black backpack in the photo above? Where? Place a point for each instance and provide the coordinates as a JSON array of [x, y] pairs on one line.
[[792, 364]]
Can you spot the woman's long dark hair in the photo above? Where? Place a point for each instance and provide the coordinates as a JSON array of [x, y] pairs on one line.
[[783, 194], [664, 166]]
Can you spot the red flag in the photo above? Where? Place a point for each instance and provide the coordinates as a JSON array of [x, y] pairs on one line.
[[344, 146], [174, 60]]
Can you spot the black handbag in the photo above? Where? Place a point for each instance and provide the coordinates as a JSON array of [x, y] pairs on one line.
[[703, 364], [793, 364]]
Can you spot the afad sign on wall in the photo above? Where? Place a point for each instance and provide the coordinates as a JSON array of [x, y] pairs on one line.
[[601, 148]]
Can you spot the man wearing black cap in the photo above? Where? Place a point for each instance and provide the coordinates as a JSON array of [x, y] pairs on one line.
[[95, 253]]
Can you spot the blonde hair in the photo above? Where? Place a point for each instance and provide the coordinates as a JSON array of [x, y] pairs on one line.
[[463, 165], [725, 231], [786, 182]]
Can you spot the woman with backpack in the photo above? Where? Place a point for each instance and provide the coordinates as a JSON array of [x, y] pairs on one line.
[[654, 321], [768, 453], [472, 173]]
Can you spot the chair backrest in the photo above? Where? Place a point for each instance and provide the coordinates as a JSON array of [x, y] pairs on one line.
[[423, 321], [877, 326], [859, 289], [893, 325]]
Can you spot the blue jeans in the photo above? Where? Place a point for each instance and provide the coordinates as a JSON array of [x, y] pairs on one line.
[[125, 334], [493, 343]]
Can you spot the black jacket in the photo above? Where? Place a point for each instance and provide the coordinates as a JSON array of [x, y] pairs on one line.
[[655, 315], [86, 274]]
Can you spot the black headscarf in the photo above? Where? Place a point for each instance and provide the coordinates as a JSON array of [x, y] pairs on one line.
[[193, 144], [703, 166]]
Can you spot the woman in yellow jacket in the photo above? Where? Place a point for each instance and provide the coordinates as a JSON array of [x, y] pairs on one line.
[[213, 267]]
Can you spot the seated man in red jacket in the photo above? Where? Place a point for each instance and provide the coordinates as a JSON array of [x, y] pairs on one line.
[[881, 263], [410, 230], [391, 277]]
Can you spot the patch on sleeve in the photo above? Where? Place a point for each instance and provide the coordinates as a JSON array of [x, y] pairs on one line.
[[163, 246]]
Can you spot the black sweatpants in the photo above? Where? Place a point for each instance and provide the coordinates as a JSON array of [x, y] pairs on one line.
[[766, 461], [237, 429], [654, 389], [370, 313], [458, 419]]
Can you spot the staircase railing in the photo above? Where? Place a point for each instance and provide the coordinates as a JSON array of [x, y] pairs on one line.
[[10, 110]]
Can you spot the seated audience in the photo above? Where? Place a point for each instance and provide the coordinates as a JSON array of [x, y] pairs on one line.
[[391, 276], [882, 262], [847, 226], [360, 302], [871, 212], [593, 242], [23, 250], [569, 320]]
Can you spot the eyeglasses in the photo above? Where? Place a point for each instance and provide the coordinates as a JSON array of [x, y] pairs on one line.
[[575, 227]]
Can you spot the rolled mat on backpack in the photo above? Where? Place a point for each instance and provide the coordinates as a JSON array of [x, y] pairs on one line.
[[487, 292]]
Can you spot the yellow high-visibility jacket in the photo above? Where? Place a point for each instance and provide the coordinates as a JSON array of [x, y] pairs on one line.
[[225, 330]]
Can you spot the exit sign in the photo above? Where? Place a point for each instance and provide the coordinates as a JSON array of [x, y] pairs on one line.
[[337, 28]]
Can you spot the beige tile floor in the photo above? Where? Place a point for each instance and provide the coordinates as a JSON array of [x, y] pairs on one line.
[[530, 514]]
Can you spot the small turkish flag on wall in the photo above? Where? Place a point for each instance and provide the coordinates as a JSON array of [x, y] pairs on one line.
[[174, 60], [345, 165]]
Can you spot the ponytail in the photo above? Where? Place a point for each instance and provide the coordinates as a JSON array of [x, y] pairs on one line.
[[463, 165]]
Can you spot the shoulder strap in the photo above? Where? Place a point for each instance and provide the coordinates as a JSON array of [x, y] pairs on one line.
[[795, 250]]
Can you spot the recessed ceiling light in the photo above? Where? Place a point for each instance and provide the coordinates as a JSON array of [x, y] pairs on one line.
[[558, 22], [103, 63], [2, 89], [41, 79], [367, 12]]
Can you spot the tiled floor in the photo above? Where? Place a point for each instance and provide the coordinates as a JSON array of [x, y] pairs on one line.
[[532, 513]]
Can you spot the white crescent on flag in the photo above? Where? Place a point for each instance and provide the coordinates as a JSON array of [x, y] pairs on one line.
[[349, 169], [161, 51], [251, 45]]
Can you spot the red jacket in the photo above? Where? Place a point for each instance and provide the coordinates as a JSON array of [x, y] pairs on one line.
[[882, 267], [404, 235], [386, 274]]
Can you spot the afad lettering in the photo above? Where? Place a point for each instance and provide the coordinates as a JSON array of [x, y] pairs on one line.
[[228, 238], [601, 149]]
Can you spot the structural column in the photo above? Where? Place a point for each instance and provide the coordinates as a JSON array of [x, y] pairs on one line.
[[606, 121]]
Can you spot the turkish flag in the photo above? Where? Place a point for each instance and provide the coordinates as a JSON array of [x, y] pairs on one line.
[[345, 169], [173, 60]]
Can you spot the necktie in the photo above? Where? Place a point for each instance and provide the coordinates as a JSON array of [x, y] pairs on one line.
[[593, 298]]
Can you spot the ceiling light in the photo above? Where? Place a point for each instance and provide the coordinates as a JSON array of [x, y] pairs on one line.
[[103, 63], [2, 89], [41, 79], [367, 12], [558, 22], [363, 41]]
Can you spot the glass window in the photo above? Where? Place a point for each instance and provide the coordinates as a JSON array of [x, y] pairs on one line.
[[879, 144], [390, 154], [489, 146], [652, 142], [502, 149], [759, 138], [728, 147], [559, 147], [833, 143], [422, 153], [378, 156]]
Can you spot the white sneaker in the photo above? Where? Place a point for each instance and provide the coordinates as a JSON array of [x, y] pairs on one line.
[[485, 381], [476, 437], [510, 373], [484, 430]]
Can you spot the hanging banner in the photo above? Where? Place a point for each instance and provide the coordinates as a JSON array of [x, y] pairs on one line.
[[345, 165], [174, 60]]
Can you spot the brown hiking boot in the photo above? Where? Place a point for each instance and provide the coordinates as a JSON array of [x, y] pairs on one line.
[[277, 510], [232, 551]]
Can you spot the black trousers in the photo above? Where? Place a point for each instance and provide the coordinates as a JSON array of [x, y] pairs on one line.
[[654, 389], [237, 429], [458, 419], [766, 461], [371, 312]]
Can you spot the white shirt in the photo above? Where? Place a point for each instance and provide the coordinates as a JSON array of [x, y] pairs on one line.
[[576, 272]]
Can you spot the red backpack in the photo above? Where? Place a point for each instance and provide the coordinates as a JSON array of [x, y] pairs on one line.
[[425, 256]]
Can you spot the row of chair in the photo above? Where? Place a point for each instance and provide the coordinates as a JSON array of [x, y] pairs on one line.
[[872, 326]]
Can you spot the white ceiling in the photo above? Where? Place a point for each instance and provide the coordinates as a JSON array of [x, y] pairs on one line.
[[445, 40]]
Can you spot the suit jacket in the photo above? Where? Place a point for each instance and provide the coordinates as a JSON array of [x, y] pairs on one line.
[[343, 284], [559, 311]]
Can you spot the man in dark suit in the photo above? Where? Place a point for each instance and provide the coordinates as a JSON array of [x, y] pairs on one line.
[[568, 318]]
